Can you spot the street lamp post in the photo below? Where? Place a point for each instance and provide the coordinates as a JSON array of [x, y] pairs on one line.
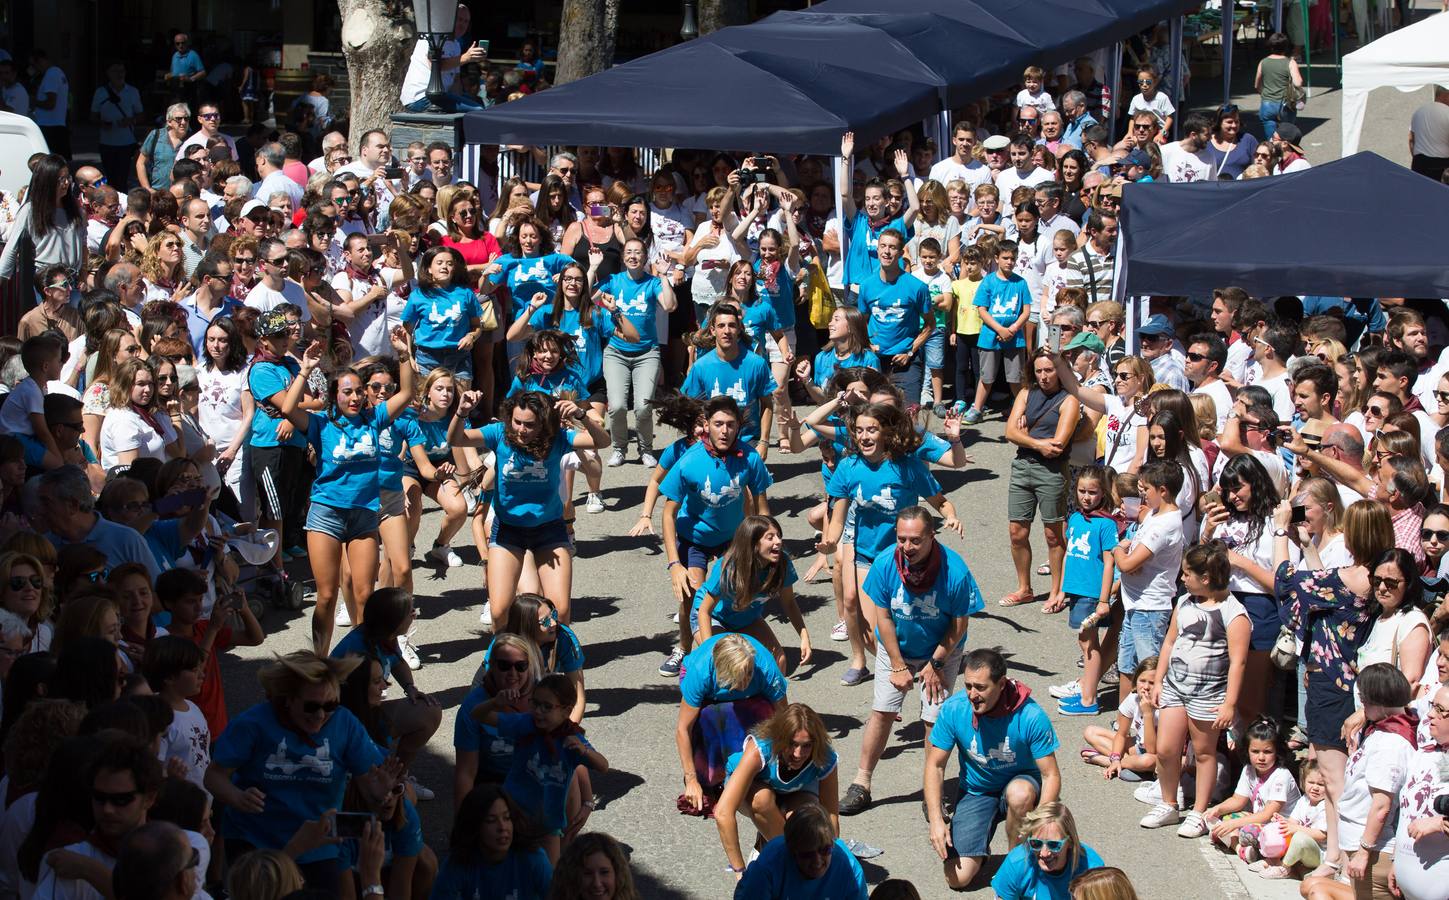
[[690, 29], [435, 20]]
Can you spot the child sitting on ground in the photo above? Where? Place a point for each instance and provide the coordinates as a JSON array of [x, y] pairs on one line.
[[1265, 789], [1128, 751], [1293, 842]]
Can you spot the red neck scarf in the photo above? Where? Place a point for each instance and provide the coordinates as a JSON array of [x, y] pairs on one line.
[[919, 578], [536, 368], [1014, 695], [149, 419], [709, 447], [552, 740], [370, 276], [770, 273], [1404, 724]]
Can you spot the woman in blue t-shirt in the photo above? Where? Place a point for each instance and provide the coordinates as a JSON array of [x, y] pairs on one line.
[[534, 617], [759, 318], [485, 859], [786, 762], [1049, 856], [528, 266], [481, 755], [444, 314], [529, 444], [380, 374], [752, 572], [631, 367], [430, 464], [344, 511]]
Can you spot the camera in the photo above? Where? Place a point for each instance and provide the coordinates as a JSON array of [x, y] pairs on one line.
[[1441, 805], [752, 176]]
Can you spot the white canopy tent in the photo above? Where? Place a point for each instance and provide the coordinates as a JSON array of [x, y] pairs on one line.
[[1408, 59]]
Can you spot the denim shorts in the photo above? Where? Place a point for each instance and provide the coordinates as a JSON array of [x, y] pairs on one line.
[[522, 538], [392, 504], [1078, 608], [341, 524], [1263, 613], [459, 362], [1142, 634], [698, 556], [976, 818], [936, 350]]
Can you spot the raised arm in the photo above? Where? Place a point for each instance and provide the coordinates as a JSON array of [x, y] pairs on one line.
[[847, 167]]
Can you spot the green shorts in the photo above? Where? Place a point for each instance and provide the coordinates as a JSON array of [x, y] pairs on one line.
[[1035, 487]]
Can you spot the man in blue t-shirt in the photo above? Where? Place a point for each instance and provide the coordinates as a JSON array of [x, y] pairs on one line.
[[901, 316], [865, 226], [807, 862], [731, 370], [1008, 764], [925, 595]]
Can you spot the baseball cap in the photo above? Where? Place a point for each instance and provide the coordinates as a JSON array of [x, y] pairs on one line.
[[1157, 324], [996, 142], [1138, 158], [1086, 341], [273, 321], [1290, 133]]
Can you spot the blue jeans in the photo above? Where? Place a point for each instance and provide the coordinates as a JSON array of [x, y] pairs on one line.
[[1271, 112], [1142, 634], [448, 103]]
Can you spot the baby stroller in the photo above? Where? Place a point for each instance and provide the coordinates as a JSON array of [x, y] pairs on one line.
[[259, 582]]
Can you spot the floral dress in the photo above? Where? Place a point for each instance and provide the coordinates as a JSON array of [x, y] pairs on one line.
[[1327, 616]]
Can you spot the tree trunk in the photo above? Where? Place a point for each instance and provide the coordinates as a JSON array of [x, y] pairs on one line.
[[717, 14], [377, 40], [587, 29]]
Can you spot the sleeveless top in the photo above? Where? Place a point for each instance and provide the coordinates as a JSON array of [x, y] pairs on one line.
[[1275, 79], [1042, 413], [613, 261]]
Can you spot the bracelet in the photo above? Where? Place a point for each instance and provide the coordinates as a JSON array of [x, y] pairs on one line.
[[1115, 757], [895, 669], [672, 564], [734, 870]]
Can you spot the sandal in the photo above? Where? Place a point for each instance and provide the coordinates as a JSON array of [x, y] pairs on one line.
[[1017, 598], [1043, 569]]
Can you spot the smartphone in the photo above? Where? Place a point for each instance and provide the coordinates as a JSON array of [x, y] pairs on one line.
[[1054, 338], [482, 43], [598, 209], [350, 824], [393, 172], [1300, 514], [174, 503]]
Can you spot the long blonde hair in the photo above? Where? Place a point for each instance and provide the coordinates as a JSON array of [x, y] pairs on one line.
[[780, 730], [287, 675]]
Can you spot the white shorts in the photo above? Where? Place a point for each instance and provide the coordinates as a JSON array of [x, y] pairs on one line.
[[773, 346], [887, 699]]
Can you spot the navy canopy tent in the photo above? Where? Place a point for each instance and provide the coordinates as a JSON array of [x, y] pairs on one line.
[[701, 94], [1358, 227]]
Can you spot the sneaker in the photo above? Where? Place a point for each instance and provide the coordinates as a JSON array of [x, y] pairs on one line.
[[840, 632], [408, 652], [616, 459], [485, 618], [1110, 676], [674, 618], [972, 417], [421, 792], [1150, 793], [1162, 814], [855, 801], [1065, 691], [342, 617], [670, 667], [853, 676], [294, 552], [595, 504], [862, 850], [444, 556], [1073, 706], [648, 460], [1193, 825]]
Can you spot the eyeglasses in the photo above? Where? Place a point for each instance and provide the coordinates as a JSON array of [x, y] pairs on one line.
[[209, 116], [244, 260], [503, 665], [1052, 846], [1436, 710], [176, 118], [1377, 581], [564, 170], [312, 707], [18, 583], [75, 426], [382, 387], [117, 799]]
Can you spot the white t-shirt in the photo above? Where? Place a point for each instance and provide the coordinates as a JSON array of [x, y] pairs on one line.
[[1309, 814], [263, 298], [1131, 709], [1280, 388], [834, 266], [1222, 399], [188, 739], [1178, 165], [1239, 353], [1234, 533], [415, 82], [1041, 100], [370, 328], [1279, 785], [24, 400], [1380, 763], [201, 138], [1334, 554], [52, 82], [669, 226], [1010, 179], [712, 265], [127, 105], [1386, 634], [219, 408], [1159, 105], [1430, 127], [1153, 586], [15, 824], [48, 886], [950, 169], [1422, 867], [123, 429]]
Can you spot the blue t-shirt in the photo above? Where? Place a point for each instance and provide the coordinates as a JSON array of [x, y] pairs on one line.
[[994, 749], [827, 363], [898, 310], [439, 319], [398, 842], [922, 619], [527, 491], [538, 779], [120, 544], [879, 491], [429, 434], [782, 298], [807, 779], [639, 302], [528, 275], [348, 453], [522, 875], [1021, 878], [301, 778], [354, 643], [720, 585], [553, 384], [264, 380], [588, 342], [699, 687], [760, 323], [746, 378], [1004, 299], [392, 443], [673, 452], [164, 539], [188, 63], [495, 752], [1087, 539], [860, 256], [710, 491], [774, 874]]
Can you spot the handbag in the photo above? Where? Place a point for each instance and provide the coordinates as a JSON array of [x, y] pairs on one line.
[[817, 294], [489, 315], [1284, 654]]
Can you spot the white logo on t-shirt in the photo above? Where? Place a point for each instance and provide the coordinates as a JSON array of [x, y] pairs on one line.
[[447, 316], [884, 501], [724, 496], [528, 470], [912, 605], [735, 391], [319, 763], [363, 449]]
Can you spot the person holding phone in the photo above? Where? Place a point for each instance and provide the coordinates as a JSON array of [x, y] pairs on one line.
[[414, 95]]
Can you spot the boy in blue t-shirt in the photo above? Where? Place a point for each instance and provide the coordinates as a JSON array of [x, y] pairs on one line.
[[1003, 301]]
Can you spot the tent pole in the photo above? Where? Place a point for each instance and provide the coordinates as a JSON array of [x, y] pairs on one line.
[[1229, 32], [946, 147], [836, 164], [1114, 84], [1176, 31], [1277, 15], [1307, 52]]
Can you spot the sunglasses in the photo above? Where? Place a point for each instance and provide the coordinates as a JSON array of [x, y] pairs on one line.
[[61, 285], [1095, 324], [1145, 81], [1393, 584], [549, 620], [117, 799], [18, 582], [244, 260], [1123, 376], [1036, 845], [97, 576], [1195, 357], [1147, 127], [382, 387], [76, 426], [209, 116], [503, 665], [312, 707], [1424, 535], [1442, 396], [1376, 411], [279, 261], [1026, 121]]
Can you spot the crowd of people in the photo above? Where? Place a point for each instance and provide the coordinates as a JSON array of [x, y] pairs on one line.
[[230, 388]]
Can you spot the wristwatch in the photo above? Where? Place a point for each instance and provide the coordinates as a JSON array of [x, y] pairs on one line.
[[938, 664], [1280, 532]]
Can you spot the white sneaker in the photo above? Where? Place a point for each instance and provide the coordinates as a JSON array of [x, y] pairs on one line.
[[840, 632], [445, 555], [674, 618], [648, 460], [1063, 691], [342, 617], [1149, 792], [595, 504], [616, 459], [408, 652], [1193, 825], [1162, 814], [422, 793], [485, 618]]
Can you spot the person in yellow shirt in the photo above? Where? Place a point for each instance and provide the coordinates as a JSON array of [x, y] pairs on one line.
[[966, 323]]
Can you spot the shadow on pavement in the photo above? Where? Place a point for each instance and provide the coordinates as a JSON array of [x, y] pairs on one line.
[[619, 700]]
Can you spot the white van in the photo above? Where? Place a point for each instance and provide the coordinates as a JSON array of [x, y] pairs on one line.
[[19, 138]]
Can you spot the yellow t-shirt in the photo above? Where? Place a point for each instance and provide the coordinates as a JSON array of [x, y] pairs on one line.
[[968, 321]]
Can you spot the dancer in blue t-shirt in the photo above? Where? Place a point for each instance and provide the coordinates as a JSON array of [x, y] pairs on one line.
[[487, 857], [753, 571]]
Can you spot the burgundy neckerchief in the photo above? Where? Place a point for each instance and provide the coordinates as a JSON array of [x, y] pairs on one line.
[[370, 276], [770, 273], [536, 368], [815, 223], [149, 419], [1233, 338], [709, 448], [240, 287], [166, 283], [878, 224], [919, 578], [1014, 695], [1413, 405], [1405, 724]]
